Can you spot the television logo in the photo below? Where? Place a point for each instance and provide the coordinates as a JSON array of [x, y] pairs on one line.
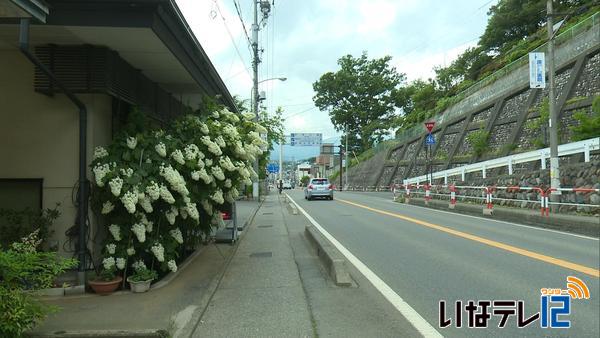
[[555, 305]]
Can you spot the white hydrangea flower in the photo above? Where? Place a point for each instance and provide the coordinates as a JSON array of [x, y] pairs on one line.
[[115, 231], [148, 160], [107, 207], [183, 213], [177, 155], [131, 142], [129, 200], [261, 129], [130, 251], [145, 204], [205, 176], [172, 265], [148, 224], [218, 197], [192, 211], [191, 151], [217, 172], [229, 198], [225, 163], [171, 215], [220, 141], [108, 263], [115, 186], [100, 152], [204, 128], [186, 199], [234, 192], [139, 265], [195, 175], [207, 207], [227, 183], [212, 146], [176, 234], [215, 114], [175, 179], [161, 149], [120, 263], [100, 171], [201, 155], [158, 251], [230, 131], [153, 190], [248, 116], [208, 162], [166, 195], [200, 163], [110, 248], [127, 172], [238, 148], [140, 232]]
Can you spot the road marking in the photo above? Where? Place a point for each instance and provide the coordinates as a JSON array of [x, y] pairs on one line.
[[499, 245], [406, 310]]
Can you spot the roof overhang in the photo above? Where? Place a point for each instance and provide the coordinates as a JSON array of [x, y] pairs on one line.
[[36, 9], [151, 35]]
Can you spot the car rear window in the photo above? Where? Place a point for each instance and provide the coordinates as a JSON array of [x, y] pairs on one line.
[[320, 181]]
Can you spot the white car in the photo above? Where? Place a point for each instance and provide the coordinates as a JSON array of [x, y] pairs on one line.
[[287, 185], [319, 187]]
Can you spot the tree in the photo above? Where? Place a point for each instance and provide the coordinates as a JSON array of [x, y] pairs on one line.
[[360, 95]]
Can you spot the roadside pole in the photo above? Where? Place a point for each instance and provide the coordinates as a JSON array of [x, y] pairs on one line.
[[346, 156], [255, 62], [553, 120], [341, 156]]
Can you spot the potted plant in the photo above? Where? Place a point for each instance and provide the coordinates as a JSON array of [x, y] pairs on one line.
[[106, 282], [141, 279]]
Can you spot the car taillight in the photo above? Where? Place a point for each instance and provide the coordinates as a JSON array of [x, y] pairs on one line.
[[310, 186], [226, 216]]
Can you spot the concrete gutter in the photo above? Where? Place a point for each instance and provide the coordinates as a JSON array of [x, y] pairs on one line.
[[331, 258], [103, 334], [584, 225], [291, 206]]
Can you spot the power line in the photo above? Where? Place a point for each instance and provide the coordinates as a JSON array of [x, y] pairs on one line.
[[239, 13], [300, 112], [231, 36]]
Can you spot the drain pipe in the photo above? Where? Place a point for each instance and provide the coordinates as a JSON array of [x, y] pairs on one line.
[[82, 208]]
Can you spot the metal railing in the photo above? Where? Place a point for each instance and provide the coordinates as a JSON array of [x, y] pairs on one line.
[[585, 147], [569, 44]]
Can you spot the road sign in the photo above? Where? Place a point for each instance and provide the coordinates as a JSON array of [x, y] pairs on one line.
[[306, 139], [273, 168], [429, 126], [537, 70], [429, 140]]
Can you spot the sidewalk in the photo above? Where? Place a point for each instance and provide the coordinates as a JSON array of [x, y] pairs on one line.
[[270, 284]]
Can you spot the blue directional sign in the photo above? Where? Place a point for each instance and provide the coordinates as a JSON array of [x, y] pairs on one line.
[[273, 168], [430, 140]]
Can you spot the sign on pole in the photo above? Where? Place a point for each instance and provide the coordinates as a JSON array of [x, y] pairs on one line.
[[537, 70], [306, 139], [429, 140], [273, 168], [429, 126]]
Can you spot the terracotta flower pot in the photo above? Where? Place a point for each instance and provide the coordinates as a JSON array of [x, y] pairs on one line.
[[105, 288]]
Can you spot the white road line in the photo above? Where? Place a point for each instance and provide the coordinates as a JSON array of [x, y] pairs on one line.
[[498, 221], [406, 310]]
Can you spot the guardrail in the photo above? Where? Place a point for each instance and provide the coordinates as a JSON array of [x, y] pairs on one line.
[[585, 147]]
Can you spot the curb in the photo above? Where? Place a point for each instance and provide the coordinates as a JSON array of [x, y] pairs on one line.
[[329, 256], [103, 334]]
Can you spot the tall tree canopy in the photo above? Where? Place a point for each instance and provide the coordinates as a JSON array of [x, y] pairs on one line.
[[360, 95]]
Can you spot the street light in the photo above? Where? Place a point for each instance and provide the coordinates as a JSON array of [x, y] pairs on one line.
[[273, 78]]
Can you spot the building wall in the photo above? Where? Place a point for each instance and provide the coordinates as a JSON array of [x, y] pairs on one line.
[[39, 136]]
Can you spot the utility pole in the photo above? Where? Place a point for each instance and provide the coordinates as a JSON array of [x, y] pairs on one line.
[[553, 120], [281, 158], [255, 62], [346, 155], [341, 173]]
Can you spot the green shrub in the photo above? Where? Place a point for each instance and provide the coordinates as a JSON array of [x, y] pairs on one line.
[[24, 270], [479, 141], [304, 180], [16, 224], [589, 124]]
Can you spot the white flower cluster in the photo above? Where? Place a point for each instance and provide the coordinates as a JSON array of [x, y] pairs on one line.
[[177, 155], [218, 197], [226, 164], [100, 171], [202, 174], [140, 232], [107, 207], [227, 183], [195, 175], [175, 179], [172, 265], [171, 215], [204, 128], [127, 172], [131, 142], [153, 190], [110, 248], [159, 252], [115, 231], [145, 204], [120, 263], [261, 129], [108, 263], [183, 213], [208, 162], [138, 265], [217, 172], [100, 152], [220, 141], [192, 211], [115, 186], [130, 251], [161, 149], [191, 151], [248, 116], [129, 200], [212, 146], [231, 132], [215, 114], [148, 224], [238, 148], [165, 194], [176, 234]]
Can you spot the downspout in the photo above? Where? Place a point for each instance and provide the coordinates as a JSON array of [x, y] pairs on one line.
[[82, 208]]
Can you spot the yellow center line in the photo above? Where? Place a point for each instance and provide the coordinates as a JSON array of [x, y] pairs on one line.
[[499, 245]]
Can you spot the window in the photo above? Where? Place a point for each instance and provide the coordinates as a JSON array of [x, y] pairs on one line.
[[19, 194]]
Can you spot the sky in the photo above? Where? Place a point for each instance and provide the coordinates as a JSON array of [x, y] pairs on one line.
[[303, 39]]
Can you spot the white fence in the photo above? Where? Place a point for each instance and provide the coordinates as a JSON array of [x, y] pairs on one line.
[[585, 147]]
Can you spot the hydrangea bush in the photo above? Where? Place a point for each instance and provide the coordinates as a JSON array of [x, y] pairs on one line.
[[159, 190]]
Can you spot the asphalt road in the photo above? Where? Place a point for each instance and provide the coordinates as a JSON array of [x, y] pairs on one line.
[[426, 256]]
